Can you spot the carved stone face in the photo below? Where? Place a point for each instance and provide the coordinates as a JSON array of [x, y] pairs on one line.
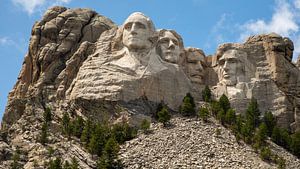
[[230, 67], [137, 30], [169, 46], [194, 67]]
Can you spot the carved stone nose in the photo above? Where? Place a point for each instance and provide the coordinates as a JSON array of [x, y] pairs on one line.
[[171, 44], [225, 66]]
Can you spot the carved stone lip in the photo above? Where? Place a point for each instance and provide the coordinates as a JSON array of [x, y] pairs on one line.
[[226, 75]]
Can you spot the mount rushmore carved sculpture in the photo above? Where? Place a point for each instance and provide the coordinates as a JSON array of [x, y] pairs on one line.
[[79, 61]]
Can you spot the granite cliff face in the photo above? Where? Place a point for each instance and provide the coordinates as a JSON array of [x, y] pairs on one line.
[[261, 68], [82, 63], [59, 44]]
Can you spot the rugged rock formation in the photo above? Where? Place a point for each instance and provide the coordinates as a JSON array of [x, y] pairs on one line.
[[82, 63], [260, 68]]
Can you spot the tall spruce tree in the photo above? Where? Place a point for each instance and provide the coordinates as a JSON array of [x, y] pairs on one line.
[[44, 134], [78, 126], [230, 117], [108, 159], [224, 103], [253, 113], [206, 94], [47, 115], [187, 107], [270, 122], [87, 132], [65, 123]]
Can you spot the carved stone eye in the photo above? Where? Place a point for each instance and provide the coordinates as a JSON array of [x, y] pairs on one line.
[[164, 41], [221, 62], [128, 26], [175, 42], [231, 60], [140, 25]]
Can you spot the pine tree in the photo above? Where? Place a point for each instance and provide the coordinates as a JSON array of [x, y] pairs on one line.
[[56, 164], [270, 122], [67, 165], [265, 154], [215, 108], [206, 94], [203, 113], [159, 107], [224, 103], [187, 107], [108, 159], [253, 113], [261, 135], [295, 143], [238, 124], [119, 132], [230, 116], [78, 126], [98, 140], [44, 134], [276, 135], [87, 132], [145, 125], [247, 131], [74, 163], [221, 116], [281, 137], [16, 158], [66, 123], [164, 116], [47, 115]]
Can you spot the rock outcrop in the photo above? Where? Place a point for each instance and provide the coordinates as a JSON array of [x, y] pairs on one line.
[[260, 68], [59, 44], [82, 63]]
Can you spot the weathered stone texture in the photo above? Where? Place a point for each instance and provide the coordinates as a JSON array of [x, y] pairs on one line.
[[267, 75], [54, 40], [82, 63]]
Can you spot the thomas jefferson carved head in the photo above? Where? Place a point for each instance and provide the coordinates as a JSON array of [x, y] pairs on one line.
[[195, 64], [170, 46]]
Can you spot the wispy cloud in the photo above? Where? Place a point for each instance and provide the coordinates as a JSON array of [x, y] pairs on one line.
[[19, 44], [285, 22], [31, 6], [5, 41], [221, 31], [297, 4]]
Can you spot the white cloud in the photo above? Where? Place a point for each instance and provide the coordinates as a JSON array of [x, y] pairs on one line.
[[31, 6], [220, 32], [283, 22], [297, 4]]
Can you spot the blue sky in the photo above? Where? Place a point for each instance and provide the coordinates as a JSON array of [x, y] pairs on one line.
[[201, 23]]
